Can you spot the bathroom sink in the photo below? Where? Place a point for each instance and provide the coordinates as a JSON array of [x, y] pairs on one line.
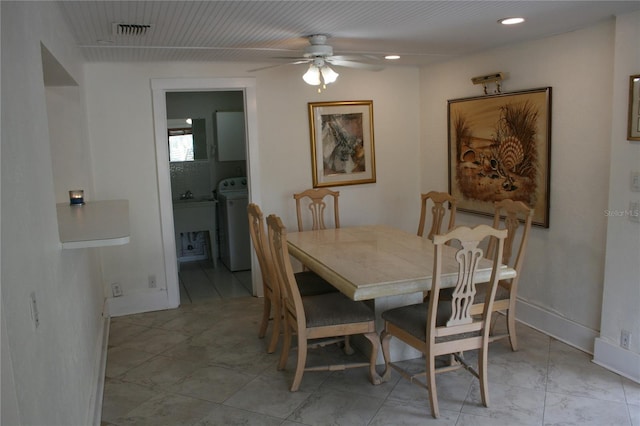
[[193, 201]]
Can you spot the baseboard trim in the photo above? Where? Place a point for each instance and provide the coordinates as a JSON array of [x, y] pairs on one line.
[[558, 327], [95, 408], [135, 303], [614, 358]]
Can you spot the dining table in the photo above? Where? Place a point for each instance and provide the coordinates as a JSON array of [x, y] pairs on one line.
[[385, 266], [373, 261]]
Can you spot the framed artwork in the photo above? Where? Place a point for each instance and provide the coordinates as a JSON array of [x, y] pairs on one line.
[[633, 129], [500, 147], [342, 150]]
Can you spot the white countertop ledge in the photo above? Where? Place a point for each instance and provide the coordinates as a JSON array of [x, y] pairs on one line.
[[93, 224]]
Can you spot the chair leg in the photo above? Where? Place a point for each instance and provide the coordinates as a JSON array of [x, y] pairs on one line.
[[511, 328], [265, 317], [482, 374], [286, 346], [348, 349], [277, 326], [492, 322], [384, 340], [431, 385], [302, 361], [453, 360], [375, 347]]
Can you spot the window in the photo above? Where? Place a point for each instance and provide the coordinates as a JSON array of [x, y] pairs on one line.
[[180, 145]]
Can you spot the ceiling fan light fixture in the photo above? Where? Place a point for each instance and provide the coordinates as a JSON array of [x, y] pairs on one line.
[[312, 76], [328, 75]]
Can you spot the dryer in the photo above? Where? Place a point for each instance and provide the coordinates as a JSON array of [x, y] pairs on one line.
[[235, 240]]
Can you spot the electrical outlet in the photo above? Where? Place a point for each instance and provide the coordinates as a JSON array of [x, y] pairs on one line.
[[116, 290], [625, 339], [634, 211], [152, 281], [635, 181], [33, 305]]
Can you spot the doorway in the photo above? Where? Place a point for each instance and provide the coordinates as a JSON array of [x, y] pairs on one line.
[[160, 88]]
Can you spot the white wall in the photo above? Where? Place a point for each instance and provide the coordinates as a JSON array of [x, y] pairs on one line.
[[565, 263], [562, 283], [284, 149], [54, 367], [621, 296]]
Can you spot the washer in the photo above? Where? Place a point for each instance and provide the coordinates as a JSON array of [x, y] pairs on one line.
[[235, 241]]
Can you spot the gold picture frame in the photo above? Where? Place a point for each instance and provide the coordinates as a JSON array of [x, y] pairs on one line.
[[633, 127], [342, 147], [500, 148]]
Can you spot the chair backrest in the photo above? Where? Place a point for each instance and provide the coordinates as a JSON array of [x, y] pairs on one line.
[[261, 246], [513, 214], [315, 201], [283, 271], [460, 319], [437, 212]]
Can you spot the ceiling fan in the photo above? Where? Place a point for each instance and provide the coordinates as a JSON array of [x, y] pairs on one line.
[[319, 55]]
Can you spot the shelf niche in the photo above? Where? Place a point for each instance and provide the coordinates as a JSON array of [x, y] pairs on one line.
[[93, 224]]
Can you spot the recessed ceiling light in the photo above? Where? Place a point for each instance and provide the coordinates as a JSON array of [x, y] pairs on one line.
[[392, 57], [511, 21]]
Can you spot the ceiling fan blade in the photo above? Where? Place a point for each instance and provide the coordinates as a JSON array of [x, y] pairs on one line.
[[291, 58], [279, 65], [351, 64], [354, 57]]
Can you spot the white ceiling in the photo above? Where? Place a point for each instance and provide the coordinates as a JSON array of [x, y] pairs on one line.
[[266, 31]]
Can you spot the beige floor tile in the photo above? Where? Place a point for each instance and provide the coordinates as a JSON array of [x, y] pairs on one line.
[[202, 364], [121, 397], [272, 398], [222, 415], [120, 360], [569, 410], [401, 413], [211, 383], [166, 409], [331, 406], [571, 372], [509, 404]]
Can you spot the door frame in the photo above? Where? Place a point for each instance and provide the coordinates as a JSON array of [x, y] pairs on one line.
[[159, 89]]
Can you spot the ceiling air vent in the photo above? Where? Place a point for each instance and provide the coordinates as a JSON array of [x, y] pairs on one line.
[[130, 29]]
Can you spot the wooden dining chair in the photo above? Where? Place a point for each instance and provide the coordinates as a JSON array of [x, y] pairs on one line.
[[325, 316], [438, 210], [308, 282], [315, 200], [446, 326], [517, 218]]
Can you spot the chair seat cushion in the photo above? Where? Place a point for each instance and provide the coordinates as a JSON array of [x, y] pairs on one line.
[[333, 309], [501, 293], [311, 284], [481, 293], [413, 320]]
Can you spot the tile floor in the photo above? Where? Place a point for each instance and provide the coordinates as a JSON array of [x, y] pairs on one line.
[[200, 281], [202, 364]]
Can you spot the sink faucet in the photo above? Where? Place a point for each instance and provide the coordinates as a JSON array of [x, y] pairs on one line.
[[187, 195]]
